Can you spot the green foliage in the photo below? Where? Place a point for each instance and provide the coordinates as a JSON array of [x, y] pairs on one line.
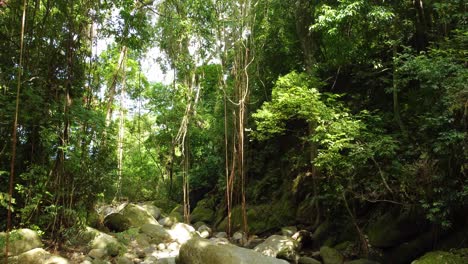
[[346, 144]]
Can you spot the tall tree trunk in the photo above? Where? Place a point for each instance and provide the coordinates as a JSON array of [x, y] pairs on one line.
[[112, 89], [14, 137], [304, 19], [120, 140]]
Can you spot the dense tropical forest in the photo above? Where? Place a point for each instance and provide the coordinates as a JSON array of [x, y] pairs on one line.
[[313, 131]]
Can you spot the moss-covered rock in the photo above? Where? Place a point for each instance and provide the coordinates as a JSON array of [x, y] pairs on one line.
[[331, 255], [202, 251], [137, 215], [152, 209], [438, 257], [407, 251], [156, 233], [202, 214], [262, 218], [395, 227], [21, 240]]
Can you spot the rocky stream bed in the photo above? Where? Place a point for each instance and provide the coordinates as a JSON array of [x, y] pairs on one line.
[[141, 233]]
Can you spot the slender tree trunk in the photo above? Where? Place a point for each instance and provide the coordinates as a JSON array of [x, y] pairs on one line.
[[112, 89], [14, 136], [396, 107], [121, 132]]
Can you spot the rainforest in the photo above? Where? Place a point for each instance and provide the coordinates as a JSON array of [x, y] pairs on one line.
[[233, 131]]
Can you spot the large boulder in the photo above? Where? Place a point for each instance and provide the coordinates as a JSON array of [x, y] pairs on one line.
[[137, 215], [21, 240], [202, 214], [394, 227], [203, 251], [116, 222], [444, 257], [279, 246], [156, 233], [152, 210], [408, 251]]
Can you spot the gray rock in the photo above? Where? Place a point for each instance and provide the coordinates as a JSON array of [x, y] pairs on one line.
[[203, 251], [221, 235], [279, 246], [240, 238], [204, 231]]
